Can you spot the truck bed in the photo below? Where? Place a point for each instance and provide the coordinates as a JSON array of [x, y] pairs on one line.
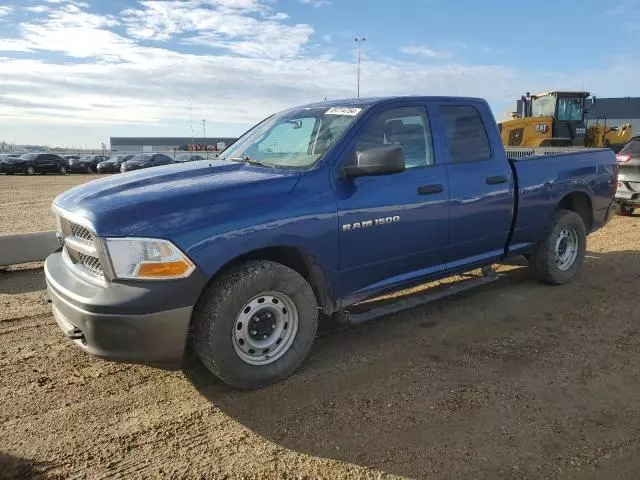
[[543, 181]]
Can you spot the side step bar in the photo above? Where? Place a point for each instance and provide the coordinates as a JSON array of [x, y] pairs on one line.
[[390, 307]]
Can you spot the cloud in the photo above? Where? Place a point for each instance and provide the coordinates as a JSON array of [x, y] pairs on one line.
[[245, 27], [315, 3], [37, 9], [102, 78], [425, 51], [5, 10]]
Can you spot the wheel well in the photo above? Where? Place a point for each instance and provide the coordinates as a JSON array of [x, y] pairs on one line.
[[301, 262], [581, 204]]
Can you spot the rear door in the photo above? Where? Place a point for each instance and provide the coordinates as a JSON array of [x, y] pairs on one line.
[[480, 182], [43, 163], [161, 160]]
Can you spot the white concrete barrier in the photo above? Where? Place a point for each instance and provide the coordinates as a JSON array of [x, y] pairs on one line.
[[27, 247]]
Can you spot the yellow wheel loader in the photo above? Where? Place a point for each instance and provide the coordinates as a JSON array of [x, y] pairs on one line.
[[557, 119]]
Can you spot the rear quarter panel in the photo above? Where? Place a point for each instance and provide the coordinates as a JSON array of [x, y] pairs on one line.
[[544, 181]]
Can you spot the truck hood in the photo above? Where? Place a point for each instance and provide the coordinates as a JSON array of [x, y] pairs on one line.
[[163, 202]]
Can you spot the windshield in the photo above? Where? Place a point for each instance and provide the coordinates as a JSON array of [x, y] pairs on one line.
[[141, 158], [543, 106], [632, 148], [29, 156], [117, 158], [570, 108], [295, 138]]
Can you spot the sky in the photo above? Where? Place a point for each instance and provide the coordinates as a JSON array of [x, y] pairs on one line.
[[74, 73]]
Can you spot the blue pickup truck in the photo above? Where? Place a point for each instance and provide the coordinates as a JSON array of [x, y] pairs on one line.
[[313, 211]]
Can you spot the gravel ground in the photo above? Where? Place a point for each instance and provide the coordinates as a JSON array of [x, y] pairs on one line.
[[513, 380], [26, 201]]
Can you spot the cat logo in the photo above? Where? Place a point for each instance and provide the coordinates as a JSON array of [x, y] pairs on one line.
[[542, 128], [347, 227]]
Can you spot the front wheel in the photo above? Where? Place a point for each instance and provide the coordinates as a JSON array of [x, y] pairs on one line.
[[559, 256], [626, 211], [30, 170], [255, 324], [62, 170]]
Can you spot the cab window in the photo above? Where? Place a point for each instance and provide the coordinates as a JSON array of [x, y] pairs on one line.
[[466, 135], [407, 126]]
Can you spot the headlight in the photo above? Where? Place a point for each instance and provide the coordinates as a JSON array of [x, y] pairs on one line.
[[147, 258]]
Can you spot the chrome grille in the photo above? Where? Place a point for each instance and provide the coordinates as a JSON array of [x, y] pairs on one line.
[[91, 264], [81, 233], [82, 250]]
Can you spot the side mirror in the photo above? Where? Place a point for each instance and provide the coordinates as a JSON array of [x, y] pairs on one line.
[[383, 160]]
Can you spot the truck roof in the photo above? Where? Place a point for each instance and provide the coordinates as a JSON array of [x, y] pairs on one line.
[[573, 93], [367, 102]]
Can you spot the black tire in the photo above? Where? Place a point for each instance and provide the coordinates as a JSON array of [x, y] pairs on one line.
[[62, 170], [30, 170], [222, 301], [626, 211], [543, 262]]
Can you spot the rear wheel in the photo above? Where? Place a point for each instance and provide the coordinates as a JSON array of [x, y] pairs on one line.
[[255, 324], [559, 256], [626, 211], [30, 170], [62, 170]]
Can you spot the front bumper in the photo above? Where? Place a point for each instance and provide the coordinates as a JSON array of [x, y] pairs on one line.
[[108, 168], [13, 168], [136, 323], [82, 168]]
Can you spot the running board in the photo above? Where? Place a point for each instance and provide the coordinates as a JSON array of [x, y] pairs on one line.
[[389, 308]]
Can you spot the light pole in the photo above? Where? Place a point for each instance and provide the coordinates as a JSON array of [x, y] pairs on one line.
[[359, 41]]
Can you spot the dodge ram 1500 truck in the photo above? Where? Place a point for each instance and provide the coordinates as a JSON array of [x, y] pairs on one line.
[[312, 211]]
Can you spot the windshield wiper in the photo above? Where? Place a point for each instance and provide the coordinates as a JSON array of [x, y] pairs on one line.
[[249, 161]]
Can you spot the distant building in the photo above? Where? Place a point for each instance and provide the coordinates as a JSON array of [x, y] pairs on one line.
[[163, 144], [615, 111]]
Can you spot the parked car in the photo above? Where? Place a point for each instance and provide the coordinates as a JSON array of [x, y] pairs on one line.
[[188, 158], [31, 163], [113, 164], [145, 160], [86, 163], [315, 210], [628, 194]]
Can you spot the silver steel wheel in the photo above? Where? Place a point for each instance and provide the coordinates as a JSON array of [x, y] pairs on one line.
[[265, 328], [566, 248]]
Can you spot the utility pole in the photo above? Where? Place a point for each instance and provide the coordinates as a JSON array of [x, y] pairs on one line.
[[204, 131], [359, 41]]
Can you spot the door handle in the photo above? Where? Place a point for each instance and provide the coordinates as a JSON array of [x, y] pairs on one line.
[[428, 189], [497, 179]]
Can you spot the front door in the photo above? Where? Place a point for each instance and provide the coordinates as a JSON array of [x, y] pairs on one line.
[[393, 228]]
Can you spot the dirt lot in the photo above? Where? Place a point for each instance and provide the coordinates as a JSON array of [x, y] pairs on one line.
[[26, 201], [513, 380]]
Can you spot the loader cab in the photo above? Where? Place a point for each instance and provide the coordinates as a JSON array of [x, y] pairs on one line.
[[567, 111]]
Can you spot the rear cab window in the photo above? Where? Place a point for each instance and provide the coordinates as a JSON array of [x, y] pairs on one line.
[[466, 135]]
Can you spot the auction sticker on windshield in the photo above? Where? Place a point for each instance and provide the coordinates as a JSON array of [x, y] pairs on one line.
[[349, 111]]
